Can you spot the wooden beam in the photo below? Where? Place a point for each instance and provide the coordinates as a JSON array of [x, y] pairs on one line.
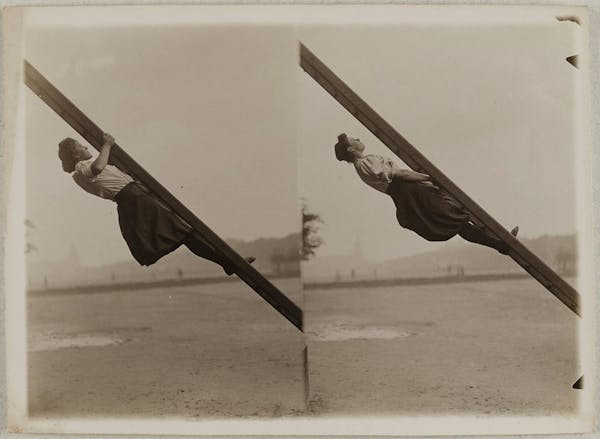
[[93, 134], [418, 162]]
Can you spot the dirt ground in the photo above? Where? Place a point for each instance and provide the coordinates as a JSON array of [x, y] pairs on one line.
[[196, 351], [502, 348]]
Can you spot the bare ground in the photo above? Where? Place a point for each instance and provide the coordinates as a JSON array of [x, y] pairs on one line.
[[501, 348], [200, 351]]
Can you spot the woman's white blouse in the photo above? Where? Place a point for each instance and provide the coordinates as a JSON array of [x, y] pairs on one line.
[[376, 171], [107, 184]]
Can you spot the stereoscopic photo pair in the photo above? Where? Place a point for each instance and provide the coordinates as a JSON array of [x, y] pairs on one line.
[[283, 201]]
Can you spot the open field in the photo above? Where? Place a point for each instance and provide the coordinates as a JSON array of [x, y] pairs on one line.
[[402, 281], [502, 348], [194, 351]]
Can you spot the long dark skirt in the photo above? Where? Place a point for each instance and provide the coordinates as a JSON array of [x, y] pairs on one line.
[[427, 210], [150, 228]]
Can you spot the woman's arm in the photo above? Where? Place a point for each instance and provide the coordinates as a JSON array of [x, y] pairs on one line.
[[102, 160], [408, 175]]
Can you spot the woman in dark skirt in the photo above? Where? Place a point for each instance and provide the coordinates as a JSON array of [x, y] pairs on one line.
[[421, 206], [150, 228]]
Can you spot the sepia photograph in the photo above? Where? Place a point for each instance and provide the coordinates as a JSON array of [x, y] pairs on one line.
[[303, 220], [133, 307], [409, 282]]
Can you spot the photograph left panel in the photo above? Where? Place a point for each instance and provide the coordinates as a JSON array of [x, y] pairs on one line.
[[133, 309]]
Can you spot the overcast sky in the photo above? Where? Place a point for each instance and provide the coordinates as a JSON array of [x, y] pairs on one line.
[[209, 111], [492, 106], [225, 118]]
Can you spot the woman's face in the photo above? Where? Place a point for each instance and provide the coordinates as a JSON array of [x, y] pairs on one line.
[[355, 145], [81, 152]]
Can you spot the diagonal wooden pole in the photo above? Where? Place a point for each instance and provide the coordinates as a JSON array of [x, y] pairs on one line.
[[93, 134], [418, 162]]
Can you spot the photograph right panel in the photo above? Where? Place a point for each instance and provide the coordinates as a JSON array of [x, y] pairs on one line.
[[438, 174]]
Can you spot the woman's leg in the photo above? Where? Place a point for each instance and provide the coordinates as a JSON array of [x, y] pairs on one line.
[[474, 234], [200, 247], [197, 245]]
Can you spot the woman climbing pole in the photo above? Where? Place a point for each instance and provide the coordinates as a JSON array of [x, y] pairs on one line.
[[421, 206], [149, 227]]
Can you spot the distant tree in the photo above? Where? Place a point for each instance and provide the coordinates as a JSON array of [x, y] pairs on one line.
[[281, 258], [565, 260], [310, 227], [286, 259], [277, 259]]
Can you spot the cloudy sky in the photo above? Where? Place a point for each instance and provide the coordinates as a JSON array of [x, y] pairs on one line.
[[492, 106], [209, 111]]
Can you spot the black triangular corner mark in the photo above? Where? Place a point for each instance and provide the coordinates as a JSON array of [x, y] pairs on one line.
[[573, 60], [572, 18], [579, 383]]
